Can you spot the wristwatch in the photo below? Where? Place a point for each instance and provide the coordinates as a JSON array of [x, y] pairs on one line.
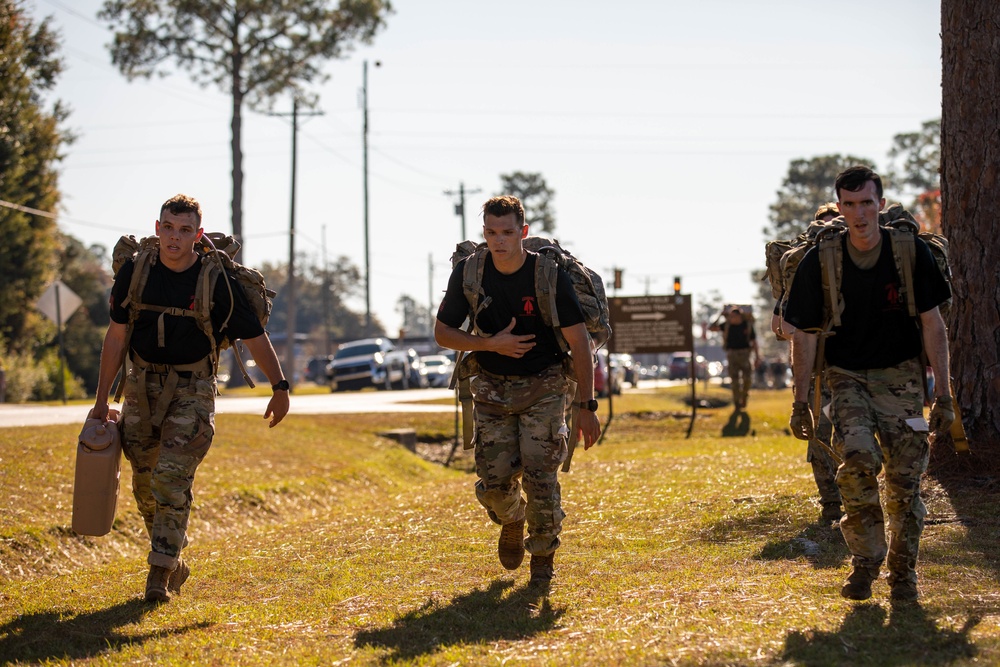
[[588, 405], [281, 386]]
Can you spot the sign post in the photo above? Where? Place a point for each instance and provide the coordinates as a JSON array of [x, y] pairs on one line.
[[654, 324], [58, 303]]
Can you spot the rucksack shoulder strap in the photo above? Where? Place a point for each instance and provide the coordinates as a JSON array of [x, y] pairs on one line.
[[831, 262], [472, 286], [546, 278], [904, 255]]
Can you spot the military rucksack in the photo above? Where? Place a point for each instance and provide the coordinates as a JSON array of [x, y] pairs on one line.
[[903, 230], [587, 284], [783, 256], [216, 253]]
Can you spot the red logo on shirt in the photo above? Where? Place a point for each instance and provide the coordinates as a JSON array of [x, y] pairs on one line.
[[892, 296], [529, 305], [191, 306]]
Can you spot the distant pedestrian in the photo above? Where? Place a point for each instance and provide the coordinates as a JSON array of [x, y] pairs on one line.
[[523, 389], [739, 340]]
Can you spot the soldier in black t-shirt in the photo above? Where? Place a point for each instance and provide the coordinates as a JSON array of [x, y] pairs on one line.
[[875, 377], [522, 391], [168, 415], [739, 340]]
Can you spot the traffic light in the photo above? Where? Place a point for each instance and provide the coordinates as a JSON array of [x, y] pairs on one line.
[[677, 284], [618, 278]]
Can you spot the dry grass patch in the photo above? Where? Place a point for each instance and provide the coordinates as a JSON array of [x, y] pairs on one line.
[[322, 544]]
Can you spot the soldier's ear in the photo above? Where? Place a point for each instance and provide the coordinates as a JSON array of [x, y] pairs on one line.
[[524, 231]]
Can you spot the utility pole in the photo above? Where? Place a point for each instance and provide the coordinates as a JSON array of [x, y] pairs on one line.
[[364, 132], [326, 299], [290, 284], [460, 206]]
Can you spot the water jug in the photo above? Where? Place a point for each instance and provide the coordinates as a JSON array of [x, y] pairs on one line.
[[98, 469]]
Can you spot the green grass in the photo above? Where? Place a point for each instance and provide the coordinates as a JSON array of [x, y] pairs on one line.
[[321, 543]]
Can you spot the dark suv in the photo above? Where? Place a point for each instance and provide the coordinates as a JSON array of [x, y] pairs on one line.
[[366, 363]]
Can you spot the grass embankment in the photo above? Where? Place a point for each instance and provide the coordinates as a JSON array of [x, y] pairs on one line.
[[321, 543]]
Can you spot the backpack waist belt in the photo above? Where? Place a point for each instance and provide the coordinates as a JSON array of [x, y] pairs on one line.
[[142, 368]]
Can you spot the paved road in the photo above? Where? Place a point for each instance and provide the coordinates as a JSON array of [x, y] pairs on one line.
[[340, 403]]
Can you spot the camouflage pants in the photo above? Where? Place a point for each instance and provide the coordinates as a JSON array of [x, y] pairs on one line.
[[741, 374], [824, 466], [163, 464], [888, 403], [521, 436]]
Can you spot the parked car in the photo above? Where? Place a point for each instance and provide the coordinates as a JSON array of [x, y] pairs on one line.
[[369, 362], [608, 374], [629, 368], [316, 369], [680, 366], [436, 369]]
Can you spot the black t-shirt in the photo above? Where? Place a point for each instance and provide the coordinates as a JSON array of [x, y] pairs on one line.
[[738, 336], [185, 341], [876, 330], [513, 296]]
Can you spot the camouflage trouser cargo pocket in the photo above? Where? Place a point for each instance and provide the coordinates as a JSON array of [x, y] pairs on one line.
[[521, 440]]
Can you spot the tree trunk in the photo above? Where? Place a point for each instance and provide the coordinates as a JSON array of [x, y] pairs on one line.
[[970, 187]]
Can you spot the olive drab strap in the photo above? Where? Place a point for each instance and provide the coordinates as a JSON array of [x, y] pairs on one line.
[[831, 253], [546, 277]]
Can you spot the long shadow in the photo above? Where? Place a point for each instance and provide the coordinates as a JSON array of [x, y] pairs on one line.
[[482, 615], [52, 635], [865, 638], [737, 426], [822, 545]]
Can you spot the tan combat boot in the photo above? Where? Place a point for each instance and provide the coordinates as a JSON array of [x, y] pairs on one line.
[[178, 576], [156, 584], [542, 569], [510, 548], [859, 583]]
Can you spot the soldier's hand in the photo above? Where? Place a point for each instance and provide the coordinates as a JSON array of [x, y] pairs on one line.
[[942, 414], [277, 408], [801, 421], [590, 428], [99, 411], [510, 345]]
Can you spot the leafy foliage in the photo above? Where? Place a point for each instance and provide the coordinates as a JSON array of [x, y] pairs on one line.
[[535, 195], [255, 51], [915, 159], [808, 184], [30, 143]]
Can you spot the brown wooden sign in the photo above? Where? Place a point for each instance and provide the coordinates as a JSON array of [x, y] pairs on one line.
[[651, 324]]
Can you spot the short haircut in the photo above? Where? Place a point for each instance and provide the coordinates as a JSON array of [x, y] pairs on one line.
[[502, 205], [829, 208], [854, 178], [181, 204]]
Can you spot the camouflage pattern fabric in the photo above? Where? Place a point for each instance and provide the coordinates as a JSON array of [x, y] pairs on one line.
[[879, 402], [163, 464], [823, 465], [741, 374], [521, 440]]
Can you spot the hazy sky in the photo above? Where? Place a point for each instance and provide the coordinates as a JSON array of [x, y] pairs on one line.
[[664, 127]]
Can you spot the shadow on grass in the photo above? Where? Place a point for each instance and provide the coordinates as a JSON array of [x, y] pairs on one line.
[[865, 638], [737, 426], [58, 635], [480, 616], [822, 545]]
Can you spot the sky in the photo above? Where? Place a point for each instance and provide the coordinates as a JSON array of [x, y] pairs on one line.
[[664, 127]]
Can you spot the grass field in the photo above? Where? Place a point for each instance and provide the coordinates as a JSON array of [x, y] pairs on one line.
[[322, 543]]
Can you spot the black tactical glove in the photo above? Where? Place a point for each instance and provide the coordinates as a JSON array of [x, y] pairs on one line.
[[942, 414], [801, 421]]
